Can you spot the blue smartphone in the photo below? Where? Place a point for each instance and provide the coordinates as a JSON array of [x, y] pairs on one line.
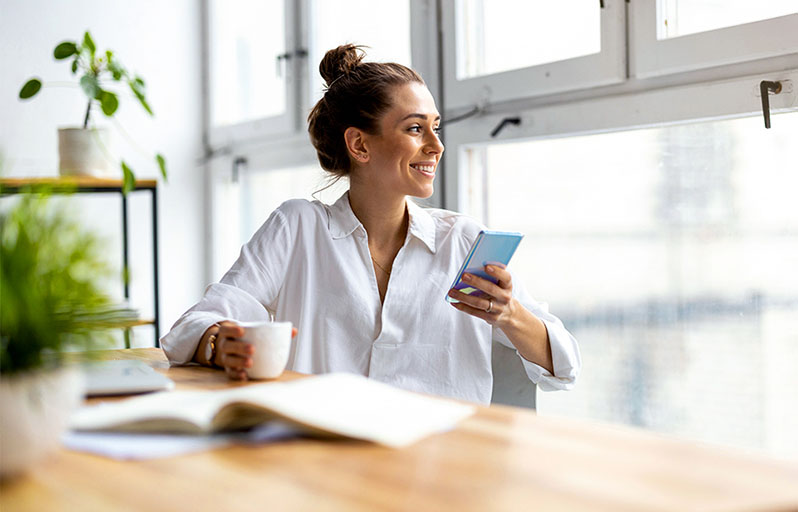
[[490, 247]]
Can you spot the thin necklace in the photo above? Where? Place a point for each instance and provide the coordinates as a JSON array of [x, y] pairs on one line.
[[380, 266]]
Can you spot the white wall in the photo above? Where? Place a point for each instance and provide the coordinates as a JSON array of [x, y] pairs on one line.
[[161, 41]]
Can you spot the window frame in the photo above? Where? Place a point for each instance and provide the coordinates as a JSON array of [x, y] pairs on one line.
[[650, 57], [219, 137], [633, 108], [606, 67]]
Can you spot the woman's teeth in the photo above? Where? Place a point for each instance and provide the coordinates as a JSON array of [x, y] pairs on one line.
[[424, 168]]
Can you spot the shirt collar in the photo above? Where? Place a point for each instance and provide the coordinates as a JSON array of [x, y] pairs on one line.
[[342, 221], [422, 225]]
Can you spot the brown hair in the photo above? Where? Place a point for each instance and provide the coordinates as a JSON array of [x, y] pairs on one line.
[[357, 95]]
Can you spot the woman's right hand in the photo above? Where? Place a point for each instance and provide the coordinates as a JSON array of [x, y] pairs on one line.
[[233, 354]]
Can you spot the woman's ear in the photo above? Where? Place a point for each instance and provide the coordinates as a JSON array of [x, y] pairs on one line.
[[356, 144]]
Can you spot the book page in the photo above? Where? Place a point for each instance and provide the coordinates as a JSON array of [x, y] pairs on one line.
[[358, 407], [178, 411], [337, 403]]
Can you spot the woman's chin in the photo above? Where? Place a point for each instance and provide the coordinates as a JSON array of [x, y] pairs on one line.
[[425, 192]]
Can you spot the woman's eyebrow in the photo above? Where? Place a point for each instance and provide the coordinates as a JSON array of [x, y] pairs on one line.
[[420, 116]]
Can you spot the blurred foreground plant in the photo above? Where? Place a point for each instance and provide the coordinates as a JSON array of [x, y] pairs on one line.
[[51, 276]]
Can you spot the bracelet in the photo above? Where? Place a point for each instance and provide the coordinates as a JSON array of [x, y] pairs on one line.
[[211, 354]]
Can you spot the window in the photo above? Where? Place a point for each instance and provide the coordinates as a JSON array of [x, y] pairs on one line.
[[508, 49], [677, 18], [249, 76], [674, 36], [656, 249], [502, 35], [333, 24], [254, 195]]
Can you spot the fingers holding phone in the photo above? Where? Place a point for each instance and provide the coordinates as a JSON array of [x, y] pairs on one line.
[[493, 302]]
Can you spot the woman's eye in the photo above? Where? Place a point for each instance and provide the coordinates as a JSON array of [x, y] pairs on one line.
[[437, 130], [415, 128]]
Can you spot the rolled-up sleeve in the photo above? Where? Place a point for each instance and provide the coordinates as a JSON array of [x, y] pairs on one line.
[[243, 294], [565, 356]]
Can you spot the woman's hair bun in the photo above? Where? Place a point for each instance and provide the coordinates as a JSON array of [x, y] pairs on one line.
[[340, 61]]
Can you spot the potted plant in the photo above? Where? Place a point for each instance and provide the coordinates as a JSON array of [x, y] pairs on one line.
[[51, 278], [86, 150]]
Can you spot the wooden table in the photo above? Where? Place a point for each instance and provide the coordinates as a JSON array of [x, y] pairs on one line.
[[502, 458]]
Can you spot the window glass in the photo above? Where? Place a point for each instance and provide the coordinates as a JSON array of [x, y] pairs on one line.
[[246, 36], [681, 17], [500, 35], [262, 192], [382, 25], [670, 253]]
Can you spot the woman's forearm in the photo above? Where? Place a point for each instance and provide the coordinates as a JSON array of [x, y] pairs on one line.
[[529, 335]]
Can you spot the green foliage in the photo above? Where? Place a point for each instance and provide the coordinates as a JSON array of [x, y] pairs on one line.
[[51, 272], [95, 67]]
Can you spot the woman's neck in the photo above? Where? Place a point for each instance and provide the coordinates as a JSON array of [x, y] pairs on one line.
[[384, 217]]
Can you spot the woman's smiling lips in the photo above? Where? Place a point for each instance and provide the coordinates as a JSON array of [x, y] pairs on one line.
[[425, 168]]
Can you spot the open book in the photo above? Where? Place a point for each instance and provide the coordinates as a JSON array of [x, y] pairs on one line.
[[335, 404]]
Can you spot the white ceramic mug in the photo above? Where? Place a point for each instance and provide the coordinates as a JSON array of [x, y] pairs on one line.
[[272, 342]]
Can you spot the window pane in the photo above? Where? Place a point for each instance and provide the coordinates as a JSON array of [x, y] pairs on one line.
[[671, 254], [262, 192], [382, 25], [246, 38], [499, 35], [682, 17]]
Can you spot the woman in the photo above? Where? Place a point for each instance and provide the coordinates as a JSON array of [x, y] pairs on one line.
[[365, 279]]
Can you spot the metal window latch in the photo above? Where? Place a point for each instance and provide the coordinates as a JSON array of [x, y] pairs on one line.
[[285, 57], [239, 164], [507, 120], [765, 87]]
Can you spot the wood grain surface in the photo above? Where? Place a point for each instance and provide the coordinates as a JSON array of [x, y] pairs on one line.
[[503, 458]]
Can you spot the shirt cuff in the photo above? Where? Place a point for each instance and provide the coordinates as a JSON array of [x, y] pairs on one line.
[[181, 342], [565, 357]]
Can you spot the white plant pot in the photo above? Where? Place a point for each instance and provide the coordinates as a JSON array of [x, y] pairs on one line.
[[85, 152], [34, 412]]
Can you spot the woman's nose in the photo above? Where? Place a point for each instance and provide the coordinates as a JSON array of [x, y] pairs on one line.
[[433, 144]]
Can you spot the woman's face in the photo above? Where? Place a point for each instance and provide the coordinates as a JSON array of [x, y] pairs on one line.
[[404, 156]]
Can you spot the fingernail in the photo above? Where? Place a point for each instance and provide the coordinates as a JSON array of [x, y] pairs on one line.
[[489, 269], [466, 277]]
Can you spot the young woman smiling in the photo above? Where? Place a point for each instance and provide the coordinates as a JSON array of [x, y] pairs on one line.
[[364, 279]]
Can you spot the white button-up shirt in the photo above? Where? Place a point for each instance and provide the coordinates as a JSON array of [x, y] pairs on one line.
[[310, 264]]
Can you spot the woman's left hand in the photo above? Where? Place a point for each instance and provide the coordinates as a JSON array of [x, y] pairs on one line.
[[496, 305]]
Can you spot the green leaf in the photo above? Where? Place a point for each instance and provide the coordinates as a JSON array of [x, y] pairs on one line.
[[140, 95], [30, 88], [116, 69], [75, 66], [129, 179], [65, 50], [162, 164], [88, 42], [90, 85], [109, 102]]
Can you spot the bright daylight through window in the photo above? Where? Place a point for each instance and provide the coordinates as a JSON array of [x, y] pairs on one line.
[[246, 38], [500, 35], [680, 18], [671, 254]]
